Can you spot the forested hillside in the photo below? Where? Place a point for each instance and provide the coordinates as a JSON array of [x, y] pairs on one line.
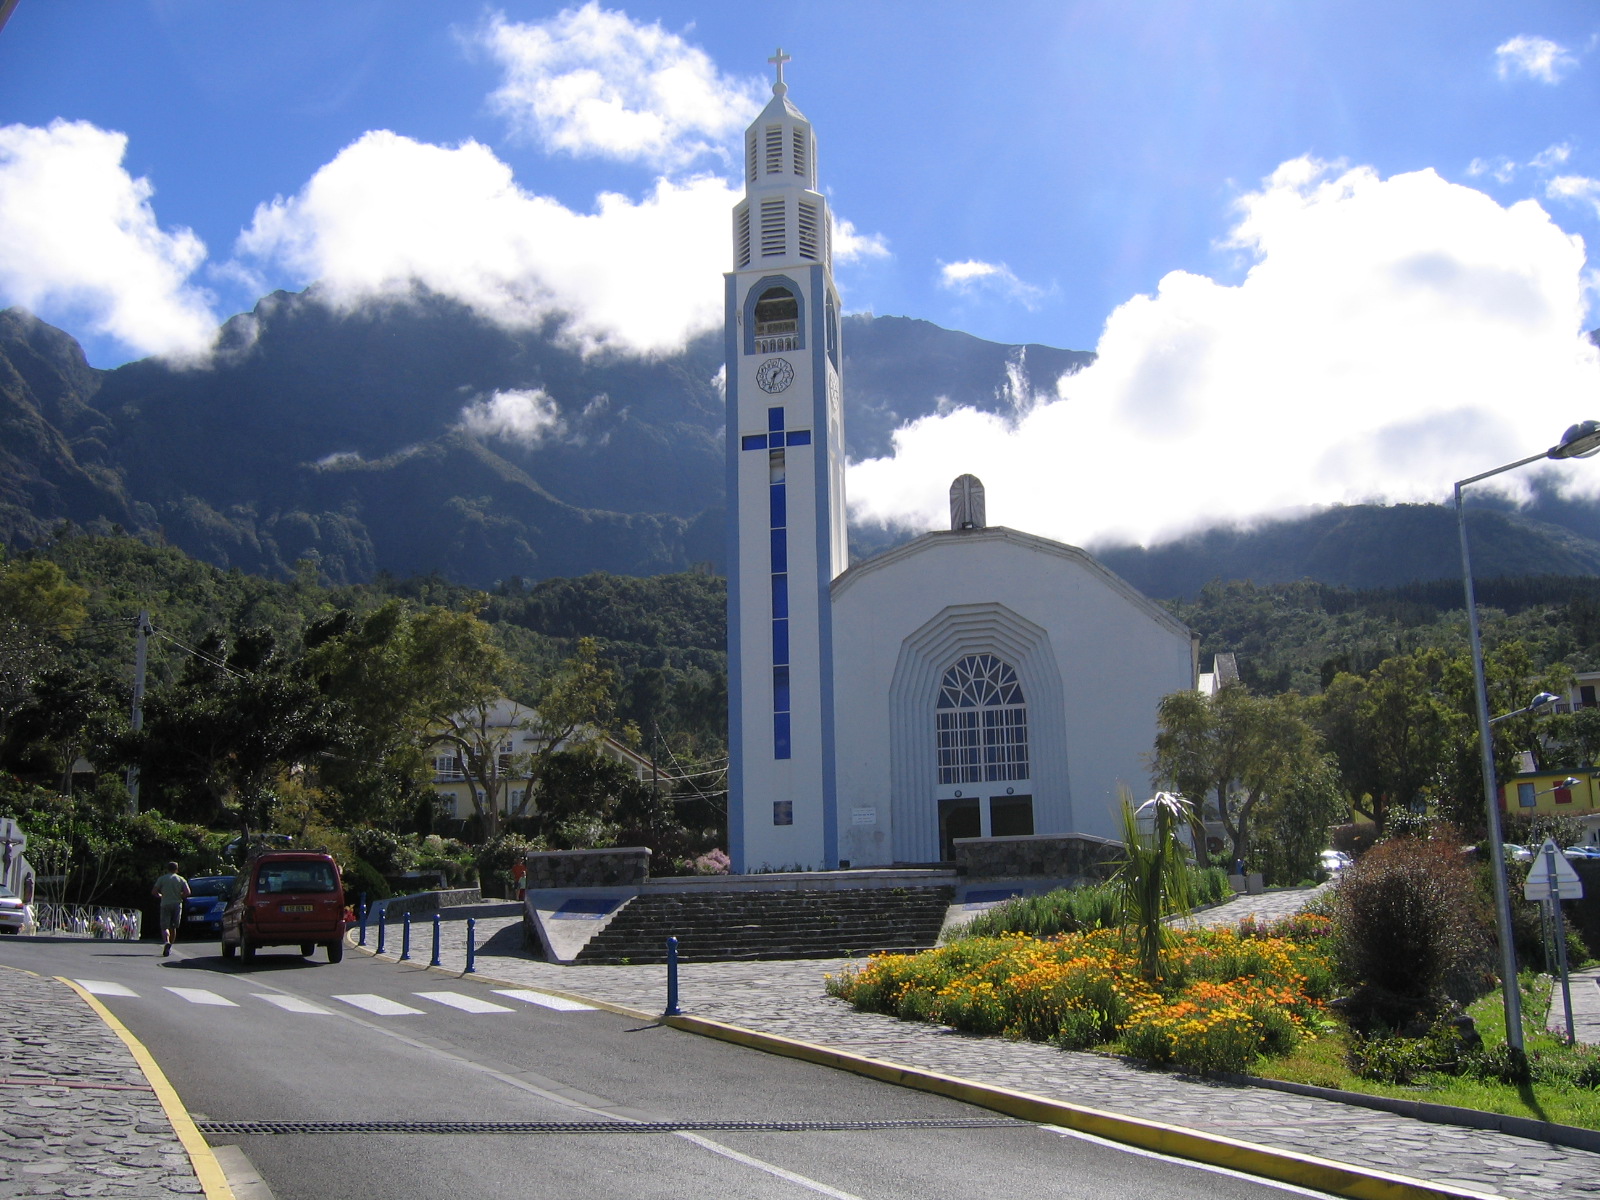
[[302, 707], [1297, 636]]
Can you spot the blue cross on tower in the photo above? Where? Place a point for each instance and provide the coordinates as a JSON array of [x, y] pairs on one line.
[[776, 437]]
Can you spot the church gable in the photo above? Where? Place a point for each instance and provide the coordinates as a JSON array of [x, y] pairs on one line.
[[942, 541]]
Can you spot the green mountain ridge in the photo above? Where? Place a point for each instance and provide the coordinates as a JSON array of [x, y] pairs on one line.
[[340, 438]]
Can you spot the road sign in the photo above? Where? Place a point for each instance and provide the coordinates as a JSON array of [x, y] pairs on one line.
[[1551, 877]]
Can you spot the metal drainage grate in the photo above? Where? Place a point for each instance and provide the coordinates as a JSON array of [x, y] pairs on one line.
[[459, 1127]]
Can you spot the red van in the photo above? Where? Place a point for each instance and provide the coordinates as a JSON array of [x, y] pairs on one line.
[[285, 898]]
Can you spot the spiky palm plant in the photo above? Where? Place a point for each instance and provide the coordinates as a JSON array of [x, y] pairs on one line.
[[1153, 880]]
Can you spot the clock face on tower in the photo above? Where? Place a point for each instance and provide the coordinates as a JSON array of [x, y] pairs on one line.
[[774, 375]]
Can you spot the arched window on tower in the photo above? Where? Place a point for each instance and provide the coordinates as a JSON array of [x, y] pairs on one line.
[[777, 321], [982, 723]]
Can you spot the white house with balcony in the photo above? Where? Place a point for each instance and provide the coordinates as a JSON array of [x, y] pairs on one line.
[[513, 732]]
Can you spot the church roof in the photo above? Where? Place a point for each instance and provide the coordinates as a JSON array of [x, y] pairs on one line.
[[944, 539]]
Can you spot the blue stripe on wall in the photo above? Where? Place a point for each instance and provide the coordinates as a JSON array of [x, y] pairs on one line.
[[730, 350]]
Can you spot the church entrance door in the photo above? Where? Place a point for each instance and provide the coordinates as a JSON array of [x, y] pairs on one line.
[[1010, 816], [958, 818]]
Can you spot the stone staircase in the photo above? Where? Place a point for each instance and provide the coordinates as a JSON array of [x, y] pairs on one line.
[[724, 926]]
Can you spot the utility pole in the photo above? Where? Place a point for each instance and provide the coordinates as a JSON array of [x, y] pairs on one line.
[[141, 648]]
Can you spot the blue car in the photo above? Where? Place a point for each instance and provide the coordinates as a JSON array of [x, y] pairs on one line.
[[202, 911]]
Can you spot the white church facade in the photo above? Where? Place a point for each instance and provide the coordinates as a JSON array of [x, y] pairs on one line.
[[975, 682]]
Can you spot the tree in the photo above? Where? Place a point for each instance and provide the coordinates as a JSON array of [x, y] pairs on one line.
[[396, 679], [1387, 732], [574, 705], [74, 712], [216, 741], [1292, 825], [1510, 681], [1573, 740], [1238, 747], [39, 608]]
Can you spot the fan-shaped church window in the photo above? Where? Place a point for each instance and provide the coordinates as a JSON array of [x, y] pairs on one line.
[[982, 723]]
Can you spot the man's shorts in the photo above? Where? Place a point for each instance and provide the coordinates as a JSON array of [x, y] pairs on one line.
[[171, 914]]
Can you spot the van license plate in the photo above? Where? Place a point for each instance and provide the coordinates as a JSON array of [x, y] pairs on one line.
[[296, 908]]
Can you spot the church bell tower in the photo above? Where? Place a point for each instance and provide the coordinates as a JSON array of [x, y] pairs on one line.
[[785, 463]]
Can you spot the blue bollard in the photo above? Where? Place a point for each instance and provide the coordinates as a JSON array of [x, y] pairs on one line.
[[672, 979], [405, 940], [363, 924], [472, 949], [382, 914], [434, 961]]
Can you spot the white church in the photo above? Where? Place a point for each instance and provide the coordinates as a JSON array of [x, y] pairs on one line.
[[974, 682]]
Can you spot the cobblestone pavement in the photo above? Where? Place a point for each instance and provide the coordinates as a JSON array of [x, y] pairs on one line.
[[1266, 907], [788, 998], [77, 1116], [1585, 988]]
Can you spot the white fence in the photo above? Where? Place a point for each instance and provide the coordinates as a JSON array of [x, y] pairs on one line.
[[87, 920]]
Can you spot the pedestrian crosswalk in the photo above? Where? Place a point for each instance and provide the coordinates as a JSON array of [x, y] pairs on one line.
[[368, 1002]]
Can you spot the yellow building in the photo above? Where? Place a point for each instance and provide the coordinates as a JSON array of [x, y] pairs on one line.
[[1532, 792]]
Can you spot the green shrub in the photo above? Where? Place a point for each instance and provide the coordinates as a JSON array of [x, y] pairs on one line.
[[1065, 910], [1407, 921], [361, 876], [496, 857], [1444, 1049], [1076, 910], [387, 853]]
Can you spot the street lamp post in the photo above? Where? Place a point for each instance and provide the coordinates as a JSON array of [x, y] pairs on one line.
[[1580, 441]]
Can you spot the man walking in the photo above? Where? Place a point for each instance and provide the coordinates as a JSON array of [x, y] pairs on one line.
[[170, 889]]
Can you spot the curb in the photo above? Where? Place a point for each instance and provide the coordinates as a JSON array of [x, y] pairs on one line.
[[1341, 1179], [1574, 1136], [206, 1167]]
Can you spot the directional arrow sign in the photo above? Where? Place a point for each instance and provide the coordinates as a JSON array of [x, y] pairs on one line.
[[1547, 863]]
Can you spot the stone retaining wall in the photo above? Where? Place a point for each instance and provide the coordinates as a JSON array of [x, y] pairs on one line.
[[427, 902], [619, 866], [1044, 855]]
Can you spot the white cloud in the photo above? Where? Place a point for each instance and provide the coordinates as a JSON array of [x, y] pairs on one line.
[[525, 417], [1392, 336], [972, 276], [1551, 156], [77, 232], [1501, 169], [1577, 188], [851, 246], [1534, 57], [389, 213], [593, 83]]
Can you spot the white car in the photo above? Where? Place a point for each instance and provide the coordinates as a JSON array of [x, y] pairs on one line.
[[15, 916], [1516, 853], [1334, 861]]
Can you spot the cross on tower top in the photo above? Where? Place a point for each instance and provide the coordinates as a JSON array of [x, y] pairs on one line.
[[778, 60]]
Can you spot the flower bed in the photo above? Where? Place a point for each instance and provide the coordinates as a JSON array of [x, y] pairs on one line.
[[1225, 996]]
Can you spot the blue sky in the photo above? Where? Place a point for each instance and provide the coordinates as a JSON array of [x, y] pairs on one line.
[[1264, 215]]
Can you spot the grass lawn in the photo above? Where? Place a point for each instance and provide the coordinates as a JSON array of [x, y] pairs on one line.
[[1322, 1062]]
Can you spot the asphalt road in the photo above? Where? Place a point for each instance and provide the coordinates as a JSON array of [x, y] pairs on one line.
[[294, 1040]]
